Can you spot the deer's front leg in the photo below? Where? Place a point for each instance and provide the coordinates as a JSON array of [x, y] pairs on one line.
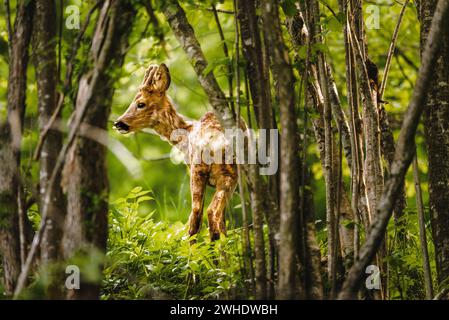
[[198, 178]]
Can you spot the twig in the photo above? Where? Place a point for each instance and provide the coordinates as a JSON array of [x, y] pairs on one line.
[[226, 53], [159, 158], [441, 294], [404, 74], [391, 50], [221, 11], [329, 8], [410, 62]]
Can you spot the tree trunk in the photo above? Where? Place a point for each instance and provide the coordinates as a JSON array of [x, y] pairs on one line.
[[373, 168], [368, 85], [312, 265], [84, 176], [259, 242], [436, 121], [44, 52], [10, 141], [261, 97], [359, 196], [289, 186]]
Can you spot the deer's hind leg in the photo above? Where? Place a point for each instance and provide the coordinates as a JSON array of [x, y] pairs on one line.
[[216, 211], [198, 179]]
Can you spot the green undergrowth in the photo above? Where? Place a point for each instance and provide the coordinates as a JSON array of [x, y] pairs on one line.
[[149, 259]]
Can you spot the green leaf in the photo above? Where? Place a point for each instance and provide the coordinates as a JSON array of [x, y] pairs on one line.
[[141, 193], [136, 190], [119, 201], [144, 198]]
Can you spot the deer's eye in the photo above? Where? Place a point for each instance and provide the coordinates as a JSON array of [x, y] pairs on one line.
[[141, 105]]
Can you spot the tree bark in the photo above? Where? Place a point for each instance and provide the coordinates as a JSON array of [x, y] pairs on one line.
[[44, 46], [289, 186], [259, 242], [368, 86], [358, 197], [312, 265], [261, 96], [84, 175], [44, 53], [436, 123], [373, 168], [256, 191], [10, 141], [259, 86]]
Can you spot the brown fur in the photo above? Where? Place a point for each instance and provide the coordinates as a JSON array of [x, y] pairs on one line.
[[160, 115]]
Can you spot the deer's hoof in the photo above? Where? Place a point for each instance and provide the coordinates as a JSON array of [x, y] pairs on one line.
[[214, 236]]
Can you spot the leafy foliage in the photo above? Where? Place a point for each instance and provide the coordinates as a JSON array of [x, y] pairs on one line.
[[154, 259]]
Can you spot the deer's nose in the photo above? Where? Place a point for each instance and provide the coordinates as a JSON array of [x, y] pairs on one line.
[[121, 126]]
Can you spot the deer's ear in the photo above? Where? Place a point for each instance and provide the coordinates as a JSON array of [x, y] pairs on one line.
[[149, 73], [157, 78], [162, 78]]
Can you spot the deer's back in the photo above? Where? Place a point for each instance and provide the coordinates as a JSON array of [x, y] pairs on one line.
[[208, 137]]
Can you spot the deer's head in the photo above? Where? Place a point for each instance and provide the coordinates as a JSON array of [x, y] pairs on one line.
[[149, 102]]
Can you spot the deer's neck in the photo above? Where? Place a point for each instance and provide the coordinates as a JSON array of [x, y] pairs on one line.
[[170, 121]]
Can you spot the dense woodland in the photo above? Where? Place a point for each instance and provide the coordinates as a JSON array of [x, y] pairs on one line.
[[358, 208]]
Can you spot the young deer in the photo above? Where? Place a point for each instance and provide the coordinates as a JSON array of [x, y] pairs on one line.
[[152, 108]]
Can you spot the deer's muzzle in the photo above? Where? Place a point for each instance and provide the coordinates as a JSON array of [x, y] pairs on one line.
[[121, 126]]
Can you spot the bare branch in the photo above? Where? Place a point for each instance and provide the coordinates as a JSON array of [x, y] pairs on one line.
[[392, 50], [185, 34], [226, 53]]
